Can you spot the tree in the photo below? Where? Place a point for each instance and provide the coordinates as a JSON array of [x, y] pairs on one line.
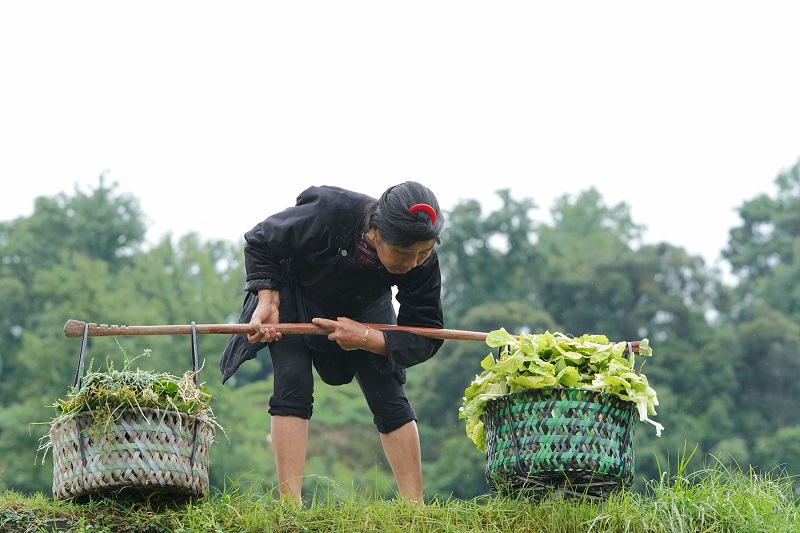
[[487, 259], [766, 242], [764, 253], [102, 225], [777, 453]]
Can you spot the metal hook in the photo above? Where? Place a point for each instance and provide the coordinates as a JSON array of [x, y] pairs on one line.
[[77, 382], [197, 384]]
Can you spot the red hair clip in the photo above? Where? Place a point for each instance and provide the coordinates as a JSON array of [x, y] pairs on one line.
[[424, 208]]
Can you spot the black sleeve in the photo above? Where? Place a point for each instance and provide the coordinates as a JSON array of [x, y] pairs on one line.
[[299, 230]]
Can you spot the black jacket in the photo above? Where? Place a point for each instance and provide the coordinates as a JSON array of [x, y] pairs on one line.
[[308, 253]]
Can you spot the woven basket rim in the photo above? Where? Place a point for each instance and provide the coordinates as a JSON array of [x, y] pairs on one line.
[[582, 389], [516, 394], [64, 419]]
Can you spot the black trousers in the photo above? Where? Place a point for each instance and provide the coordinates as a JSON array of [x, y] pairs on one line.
[[294, 364]]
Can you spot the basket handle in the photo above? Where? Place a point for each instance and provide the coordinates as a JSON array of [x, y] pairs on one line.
[[77, 382], [196, 373], [195, 364]]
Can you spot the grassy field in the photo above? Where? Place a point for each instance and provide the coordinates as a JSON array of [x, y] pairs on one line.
[[716, 500]]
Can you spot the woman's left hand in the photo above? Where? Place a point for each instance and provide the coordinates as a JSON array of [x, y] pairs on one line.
[[347, 333]]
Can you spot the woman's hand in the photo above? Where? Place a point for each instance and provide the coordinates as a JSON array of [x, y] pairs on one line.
[[266, 313], [349, 334]]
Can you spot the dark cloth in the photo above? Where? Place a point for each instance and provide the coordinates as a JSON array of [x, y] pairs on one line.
[[294, 391], [381, 312], [307, 252]]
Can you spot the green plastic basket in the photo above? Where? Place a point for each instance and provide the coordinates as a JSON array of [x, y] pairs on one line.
[[562, 441]]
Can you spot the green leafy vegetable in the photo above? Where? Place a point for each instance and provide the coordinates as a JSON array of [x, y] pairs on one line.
[[534, 361]]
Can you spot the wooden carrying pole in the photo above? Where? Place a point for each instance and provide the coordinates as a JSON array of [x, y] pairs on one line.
[[75, 328]]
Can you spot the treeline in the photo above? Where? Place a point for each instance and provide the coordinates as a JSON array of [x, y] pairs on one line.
[[726, 362]]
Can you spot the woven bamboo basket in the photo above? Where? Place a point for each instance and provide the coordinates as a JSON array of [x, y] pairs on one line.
[[148, 451], [559, 441]]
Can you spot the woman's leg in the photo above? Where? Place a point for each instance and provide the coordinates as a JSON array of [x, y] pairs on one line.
[[290, 408], [402, 449], [395, 419], [289, 443]]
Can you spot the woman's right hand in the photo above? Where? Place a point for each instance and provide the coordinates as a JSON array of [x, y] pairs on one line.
[[266, 313]]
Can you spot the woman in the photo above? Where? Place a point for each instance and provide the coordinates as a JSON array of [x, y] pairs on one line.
[[332, 259]]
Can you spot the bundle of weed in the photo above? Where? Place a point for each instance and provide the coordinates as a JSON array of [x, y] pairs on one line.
[[113, 390], [107, 394]]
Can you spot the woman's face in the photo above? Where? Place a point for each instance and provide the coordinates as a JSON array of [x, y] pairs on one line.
[[401, 259]]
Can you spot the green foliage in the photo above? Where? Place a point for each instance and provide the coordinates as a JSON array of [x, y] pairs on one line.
[[21, 427], [458, 471], [245, 456], [764, 322], [721, 497], [590, 268], [488, 258], [770, 343], [102, 228], [713, 499], [777, 451], [766, 240]]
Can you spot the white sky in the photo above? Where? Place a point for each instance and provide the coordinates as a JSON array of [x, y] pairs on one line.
[[215, 114]]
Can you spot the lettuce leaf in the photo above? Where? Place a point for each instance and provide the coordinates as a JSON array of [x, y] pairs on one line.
[[534, 361]]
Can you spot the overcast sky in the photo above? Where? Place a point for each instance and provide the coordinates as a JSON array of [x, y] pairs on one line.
[[215, 114]]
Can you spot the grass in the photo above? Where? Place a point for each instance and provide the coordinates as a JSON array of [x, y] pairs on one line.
[[720, 499]]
